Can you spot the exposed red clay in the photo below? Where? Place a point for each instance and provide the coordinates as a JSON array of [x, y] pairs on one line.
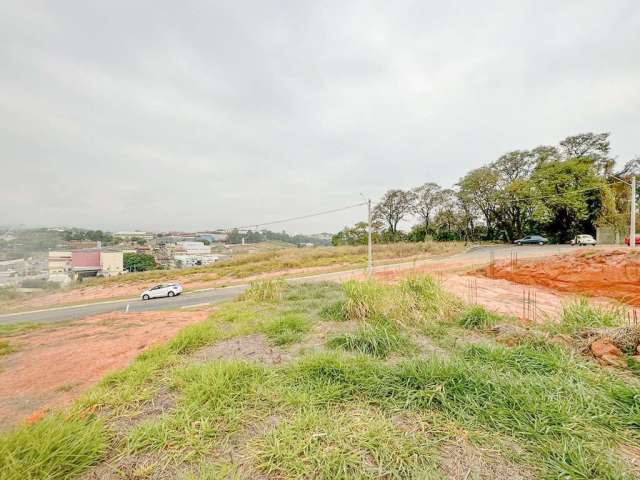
[[613, 274], [53, 366]]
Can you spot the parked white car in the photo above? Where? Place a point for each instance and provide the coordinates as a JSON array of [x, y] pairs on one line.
[[584, 240], [163, 290]]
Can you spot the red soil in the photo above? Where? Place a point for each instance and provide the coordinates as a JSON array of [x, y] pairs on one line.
[[54, 365], [614, 274]]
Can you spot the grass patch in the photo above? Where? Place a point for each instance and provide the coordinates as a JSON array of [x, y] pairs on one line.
[[214, 399], [333, 312], [478, 318], [356, 444], [6, 348], [376, 340], [54, 448], [286, 329], [263, 291], [580, 315]]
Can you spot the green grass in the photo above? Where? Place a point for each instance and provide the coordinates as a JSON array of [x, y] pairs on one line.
[[346, 412], [263, 291], [477, 317], [214, 398], [286, 329], [580, 315], [360, 443], [55, 448], [333, 312], [376, 340]]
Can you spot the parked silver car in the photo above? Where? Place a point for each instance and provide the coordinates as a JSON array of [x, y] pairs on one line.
[[162, 290]]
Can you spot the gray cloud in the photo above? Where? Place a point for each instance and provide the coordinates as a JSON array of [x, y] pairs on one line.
[[184, 115]]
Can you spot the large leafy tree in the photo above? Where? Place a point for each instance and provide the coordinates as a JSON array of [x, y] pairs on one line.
[[138, 262], [569, 197]]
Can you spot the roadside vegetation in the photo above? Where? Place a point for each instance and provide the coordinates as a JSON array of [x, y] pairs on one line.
[[364, 380]]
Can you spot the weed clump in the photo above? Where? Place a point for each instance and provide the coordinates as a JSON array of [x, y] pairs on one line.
[[477, 317], [263, 291], [580, 315], [53, 448], [375, 340], [416, 302], [286, 329], [334, 312]]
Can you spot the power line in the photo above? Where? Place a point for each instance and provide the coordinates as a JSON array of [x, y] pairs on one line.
[[301, 217]]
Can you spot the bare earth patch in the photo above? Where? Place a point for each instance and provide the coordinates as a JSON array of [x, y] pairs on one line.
[[594, 273], [52, 367]]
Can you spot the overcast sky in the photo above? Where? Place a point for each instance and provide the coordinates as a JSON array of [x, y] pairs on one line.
[[190, 115]]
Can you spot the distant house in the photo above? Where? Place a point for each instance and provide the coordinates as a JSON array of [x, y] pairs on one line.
[[89, 262]]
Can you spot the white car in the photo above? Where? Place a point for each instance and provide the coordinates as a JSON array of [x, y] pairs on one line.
[[163, 290], [584, 240]]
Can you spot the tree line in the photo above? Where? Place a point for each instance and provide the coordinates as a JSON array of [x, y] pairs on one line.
[[557, 191]]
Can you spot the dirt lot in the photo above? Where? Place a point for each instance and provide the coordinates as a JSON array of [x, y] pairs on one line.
[[594, 273], [52, 366]]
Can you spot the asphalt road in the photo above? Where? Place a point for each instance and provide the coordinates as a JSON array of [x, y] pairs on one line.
[[476, 255]]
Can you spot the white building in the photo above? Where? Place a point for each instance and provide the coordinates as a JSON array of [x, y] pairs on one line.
[[193, 248]]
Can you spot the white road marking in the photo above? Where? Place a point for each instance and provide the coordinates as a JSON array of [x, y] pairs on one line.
[[196, 305]]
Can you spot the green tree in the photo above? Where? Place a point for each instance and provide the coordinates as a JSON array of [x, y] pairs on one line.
[[394, 207], [138, 262], [570, 197]]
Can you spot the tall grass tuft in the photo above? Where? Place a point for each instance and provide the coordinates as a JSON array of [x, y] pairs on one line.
[[416, 302], [580, 315], [263, 291], [54, 448], [287, 328], [376, 340], [477, 317]]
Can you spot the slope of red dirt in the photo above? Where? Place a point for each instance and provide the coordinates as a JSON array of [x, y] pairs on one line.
[[614, 274], [54, 365]]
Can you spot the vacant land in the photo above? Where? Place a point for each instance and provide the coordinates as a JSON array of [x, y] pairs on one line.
[[281, 262], [47, 367], [609, 273], [363, 380]]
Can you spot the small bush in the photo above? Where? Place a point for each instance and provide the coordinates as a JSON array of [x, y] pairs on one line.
[[263, 291], [375, 340], [478, 318], [287, 329]]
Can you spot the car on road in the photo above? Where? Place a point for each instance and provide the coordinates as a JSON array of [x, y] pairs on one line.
[[626, 240], [584, 240], [531, 240], [162, 290]]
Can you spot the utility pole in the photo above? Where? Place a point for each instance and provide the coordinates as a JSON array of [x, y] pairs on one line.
[[370, 249], [632, 230]]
